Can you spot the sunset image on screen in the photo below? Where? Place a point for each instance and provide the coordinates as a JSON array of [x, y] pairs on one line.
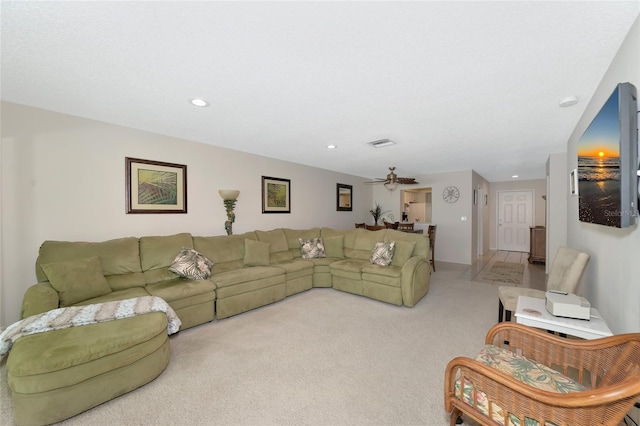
[[599, 166]]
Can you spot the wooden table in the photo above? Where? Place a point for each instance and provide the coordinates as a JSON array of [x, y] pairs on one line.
[[533, 312]]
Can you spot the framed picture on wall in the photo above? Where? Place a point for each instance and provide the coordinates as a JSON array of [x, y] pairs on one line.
[[344, 197], [155, 187], [276, 195]]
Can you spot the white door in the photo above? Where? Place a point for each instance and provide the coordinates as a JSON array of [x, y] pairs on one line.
[[515, 216]]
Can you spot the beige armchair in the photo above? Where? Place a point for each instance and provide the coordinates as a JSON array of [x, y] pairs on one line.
[[541, 379], [564, 275]]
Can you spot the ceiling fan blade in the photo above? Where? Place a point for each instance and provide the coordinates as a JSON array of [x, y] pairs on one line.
[[406, 181], [377, 181]]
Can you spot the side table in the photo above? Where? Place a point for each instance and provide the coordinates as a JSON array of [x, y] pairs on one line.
[[532, 311]]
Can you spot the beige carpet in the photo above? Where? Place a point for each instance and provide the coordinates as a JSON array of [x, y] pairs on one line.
[[506, 272], [323, 357]]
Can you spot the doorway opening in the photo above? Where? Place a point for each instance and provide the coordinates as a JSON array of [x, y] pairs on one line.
[[415, 205]]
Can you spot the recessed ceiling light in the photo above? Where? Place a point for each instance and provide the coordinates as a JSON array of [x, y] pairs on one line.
[[568, 101], [332, 146], [199, 102], [515, 176]]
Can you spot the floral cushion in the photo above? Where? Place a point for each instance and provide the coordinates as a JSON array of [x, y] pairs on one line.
[[382, 253], [191, 264], [536, 375], [312, 248]]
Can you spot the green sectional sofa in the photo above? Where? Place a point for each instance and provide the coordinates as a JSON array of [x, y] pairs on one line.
[[249, 270]]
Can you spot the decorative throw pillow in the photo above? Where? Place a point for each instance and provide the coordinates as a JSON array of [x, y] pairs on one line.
[[334, 246], [382, 253], [256, 253], [312, 248], [402, 252], [77, 280], [191, 264]]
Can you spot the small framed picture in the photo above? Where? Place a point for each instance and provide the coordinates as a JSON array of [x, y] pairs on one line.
[[573, 182], [276, 195], [344, 197], [155, 187]]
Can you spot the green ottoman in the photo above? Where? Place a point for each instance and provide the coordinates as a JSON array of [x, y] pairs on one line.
[[58, 374]]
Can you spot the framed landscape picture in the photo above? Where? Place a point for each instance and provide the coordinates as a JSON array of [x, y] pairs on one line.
[[155, 187], [276, 195]]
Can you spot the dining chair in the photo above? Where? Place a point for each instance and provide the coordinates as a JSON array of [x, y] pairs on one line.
[[431, 231], [405, 226]]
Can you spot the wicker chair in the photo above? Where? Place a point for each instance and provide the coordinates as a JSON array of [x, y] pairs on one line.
[[606, 370]]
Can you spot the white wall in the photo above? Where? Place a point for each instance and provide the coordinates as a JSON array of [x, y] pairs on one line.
[[557, 199], [612, 278], [63, 178], [453, 236]]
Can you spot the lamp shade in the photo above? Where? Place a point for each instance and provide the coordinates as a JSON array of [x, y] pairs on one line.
[[391, 186], [229, 194]]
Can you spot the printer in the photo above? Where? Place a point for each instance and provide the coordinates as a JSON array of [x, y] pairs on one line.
[[567, 305]]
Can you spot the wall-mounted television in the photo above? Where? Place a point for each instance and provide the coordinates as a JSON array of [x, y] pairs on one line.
[[608, 162]]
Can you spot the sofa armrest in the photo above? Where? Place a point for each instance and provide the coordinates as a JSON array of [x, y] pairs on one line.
[[416, 273], [39, 298]]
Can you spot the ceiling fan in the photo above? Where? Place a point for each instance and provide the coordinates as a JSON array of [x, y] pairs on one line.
[[392, 180]]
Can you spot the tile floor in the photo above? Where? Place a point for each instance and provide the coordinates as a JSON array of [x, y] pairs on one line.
[[534, 273]]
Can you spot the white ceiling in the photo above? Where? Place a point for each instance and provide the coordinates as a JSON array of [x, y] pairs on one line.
[[458, 85]]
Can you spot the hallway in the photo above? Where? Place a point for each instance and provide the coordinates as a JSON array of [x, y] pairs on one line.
[[534, 273]]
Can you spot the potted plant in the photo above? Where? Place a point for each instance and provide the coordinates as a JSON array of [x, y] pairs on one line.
[[377, 213]]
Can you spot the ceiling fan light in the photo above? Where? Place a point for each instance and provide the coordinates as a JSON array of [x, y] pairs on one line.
[[391, 186]]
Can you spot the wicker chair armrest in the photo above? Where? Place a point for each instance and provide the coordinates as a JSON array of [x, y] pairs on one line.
[[521, 400]]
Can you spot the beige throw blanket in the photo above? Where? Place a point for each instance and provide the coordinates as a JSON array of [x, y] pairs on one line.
[[73, 316]]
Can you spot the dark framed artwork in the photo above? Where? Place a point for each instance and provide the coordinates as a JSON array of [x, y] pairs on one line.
[[155, 187], [344, 197], [276, 195]]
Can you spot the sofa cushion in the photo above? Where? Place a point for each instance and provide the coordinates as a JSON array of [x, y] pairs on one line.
[[256, 253], [293, 237], [334, 246], [77, 280], [312, 248], [244, 275], [180, 289], [127, 293], [278, 246], [191, 265], [226, 251], [527, 371], [118, 256], [382, 253], [348, 242], [364, 243], [61, 358], [402, 252], [422, 242], [159, 252]]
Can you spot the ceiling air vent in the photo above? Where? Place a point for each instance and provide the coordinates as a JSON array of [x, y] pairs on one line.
[[381, 143]]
